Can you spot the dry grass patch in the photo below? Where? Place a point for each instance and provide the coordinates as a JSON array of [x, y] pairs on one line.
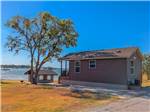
[[145, 81], [17, 97]]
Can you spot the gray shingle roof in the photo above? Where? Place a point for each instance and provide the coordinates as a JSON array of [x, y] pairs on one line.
[[102, 54], [43, 72]]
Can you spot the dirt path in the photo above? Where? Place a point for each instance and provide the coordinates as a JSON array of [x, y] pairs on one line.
[[137, 104]]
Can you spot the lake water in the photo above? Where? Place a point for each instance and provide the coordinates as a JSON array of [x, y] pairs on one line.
[[18, 74]]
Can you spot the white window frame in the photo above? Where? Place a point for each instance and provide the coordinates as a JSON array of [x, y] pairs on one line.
[[132, 67], [90, 64], [41, 78], [48, 77], [133, 63], [77, 66]]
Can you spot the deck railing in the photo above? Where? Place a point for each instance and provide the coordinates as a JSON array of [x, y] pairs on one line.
[[64, 76]]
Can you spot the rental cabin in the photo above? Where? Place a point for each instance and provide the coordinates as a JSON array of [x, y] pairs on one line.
[[119, 67]]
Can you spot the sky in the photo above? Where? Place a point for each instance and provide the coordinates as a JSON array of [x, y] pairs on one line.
[[101, 25]]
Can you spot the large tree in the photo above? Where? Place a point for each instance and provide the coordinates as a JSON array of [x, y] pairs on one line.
[[146, 65], [43, 37]]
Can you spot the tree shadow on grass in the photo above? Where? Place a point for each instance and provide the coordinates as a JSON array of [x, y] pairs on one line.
[[88, 95], [43, 87], [5, 82]]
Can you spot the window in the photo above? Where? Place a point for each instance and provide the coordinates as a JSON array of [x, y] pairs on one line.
[[132, 70], [48, 77], [41, 77], [131, 63], [92, 64], [77, 66], [132, 67]]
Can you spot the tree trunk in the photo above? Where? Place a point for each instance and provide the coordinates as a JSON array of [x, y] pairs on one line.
[[32, 71], [37, 69], [36, 77]]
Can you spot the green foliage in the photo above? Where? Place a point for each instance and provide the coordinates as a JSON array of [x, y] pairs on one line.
[[44, 36], [146, 64]]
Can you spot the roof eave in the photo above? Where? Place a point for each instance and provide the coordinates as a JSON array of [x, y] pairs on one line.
[[69, 59]]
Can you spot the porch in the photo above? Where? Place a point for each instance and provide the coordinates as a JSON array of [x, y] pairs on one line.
[[64, 73]]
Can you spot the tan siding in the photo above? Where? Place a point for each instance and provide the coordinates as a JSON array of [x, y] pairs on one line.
[[138, 67]]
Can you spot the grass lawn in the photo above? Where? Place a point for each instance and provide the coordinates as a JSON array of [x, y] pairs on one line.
[[17, 97]]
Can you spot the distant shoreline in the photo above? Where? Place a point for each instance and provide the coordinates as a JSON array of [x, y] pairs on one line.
[[14, 66], [12, 79], [3, 67]]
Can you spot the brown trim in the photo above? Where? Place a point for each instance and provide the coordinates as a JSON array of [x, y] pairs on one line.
[[139, 54]]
